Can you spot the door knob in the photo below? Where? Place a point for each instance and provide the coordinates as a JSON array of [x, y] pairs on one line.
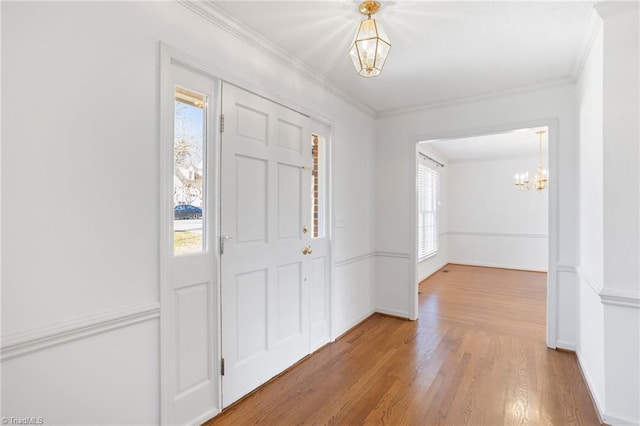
[[309, 250], [305, 250]]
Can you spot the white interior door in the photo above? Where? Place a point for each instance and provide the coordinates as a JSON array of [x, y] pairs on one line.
[[265, 207], [189, 301]]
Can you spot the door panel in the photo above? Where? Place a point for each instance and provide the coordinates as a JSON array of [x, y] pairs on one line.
[[192, 327], [318, 292], [251, 182], [251, 325], [290, 136], [265, 300], [289, 306], [289, 201], [251, 124]]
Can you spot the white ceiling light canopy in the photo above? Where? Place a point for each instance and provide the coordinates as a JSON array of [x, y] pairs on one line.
[[370, 46]]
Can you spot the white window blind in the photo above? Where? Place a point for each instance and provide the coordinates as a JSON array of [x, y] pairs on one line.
[[428, 195]]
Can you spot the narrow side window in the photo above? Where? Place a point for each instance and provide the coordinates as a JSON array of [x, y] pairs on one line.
[[318, 186], [189, 171]]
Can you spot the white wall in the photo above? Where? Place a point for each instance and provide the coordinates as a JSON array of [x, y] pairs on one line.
[[395, 138], [80, 154], [491, 223], [609, 300], [621, 292], [590, 344], [484, 220]]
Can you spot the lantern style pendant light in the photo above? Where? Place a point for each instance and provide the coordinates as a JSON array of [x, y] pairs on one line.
[[371, 45]]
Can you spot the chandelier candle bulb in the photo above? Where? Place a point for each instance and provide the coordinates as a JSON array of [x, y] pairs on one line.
[[539, 182]]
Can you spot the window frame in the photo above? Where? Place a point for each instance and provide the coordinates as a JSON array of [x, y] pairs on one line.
[[427, 211]]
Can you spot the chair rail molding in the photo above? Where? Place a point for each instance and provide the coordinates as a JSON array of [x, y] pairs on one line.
[[625, 298], [353, 259], [372, 254], [495, 234], [394, 254], [36, 339], [589, 279]]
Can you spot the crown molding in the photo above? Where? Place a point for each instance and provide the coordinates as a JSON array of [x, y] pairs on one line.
[[212, 13], [566, 80], [588, 39], [610, 8]]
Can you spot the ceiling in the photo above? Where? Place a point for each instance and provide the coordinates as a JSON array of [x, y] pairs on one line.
[[513, 144], [441, 51]]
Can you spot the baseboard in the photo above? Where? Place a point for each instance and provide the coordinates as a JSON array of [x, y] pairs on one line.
[[592, 394], [498, 266], [393, 313], [612, 419], [438, 269], [357, 322], [565, 346], [205, 417]]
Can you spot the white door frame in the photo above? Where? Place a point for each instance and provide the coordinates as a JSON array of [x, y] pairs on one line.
[[316, 127], [168, 56], [552, 293]]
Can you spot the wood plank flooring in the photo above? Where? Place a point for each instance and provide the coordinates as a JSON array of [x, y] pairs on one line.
[[476, 356]]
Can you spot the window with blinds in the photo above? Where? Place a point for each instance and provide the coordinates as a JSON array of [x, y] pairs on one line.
[[428, 195]]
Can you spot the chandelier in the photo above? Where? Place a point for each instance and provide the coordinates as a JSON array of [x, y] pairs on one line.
[[539, 181], [371, 45]]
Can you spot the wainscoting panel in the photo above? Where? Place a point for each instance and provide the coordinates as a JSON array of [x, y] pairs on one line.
[[392, 278], [72, 382], [354, 292], [500, 250], [566, 334]]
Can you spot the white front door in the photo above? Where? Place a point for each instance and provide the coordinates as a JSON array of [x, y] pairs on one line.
[[265, 210]]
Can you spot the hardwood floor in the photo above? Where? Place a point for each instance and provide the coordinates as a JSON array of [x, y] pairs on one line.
[[476, 356]]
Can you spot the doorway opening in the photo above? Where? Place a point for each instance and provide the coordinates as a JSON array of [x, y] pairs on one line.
[[469, 210]]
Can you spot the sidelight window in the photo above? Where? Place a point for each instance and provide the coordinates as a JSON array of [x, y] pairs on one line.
[[318, 186], [188, 171]]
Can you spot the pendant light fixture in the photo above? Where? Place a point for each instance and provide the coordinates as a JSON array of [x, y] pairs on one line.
[[371, 45]]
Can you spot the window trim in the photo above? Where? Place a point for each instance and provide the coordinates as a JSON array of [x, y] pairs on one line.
[[424, 171]]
